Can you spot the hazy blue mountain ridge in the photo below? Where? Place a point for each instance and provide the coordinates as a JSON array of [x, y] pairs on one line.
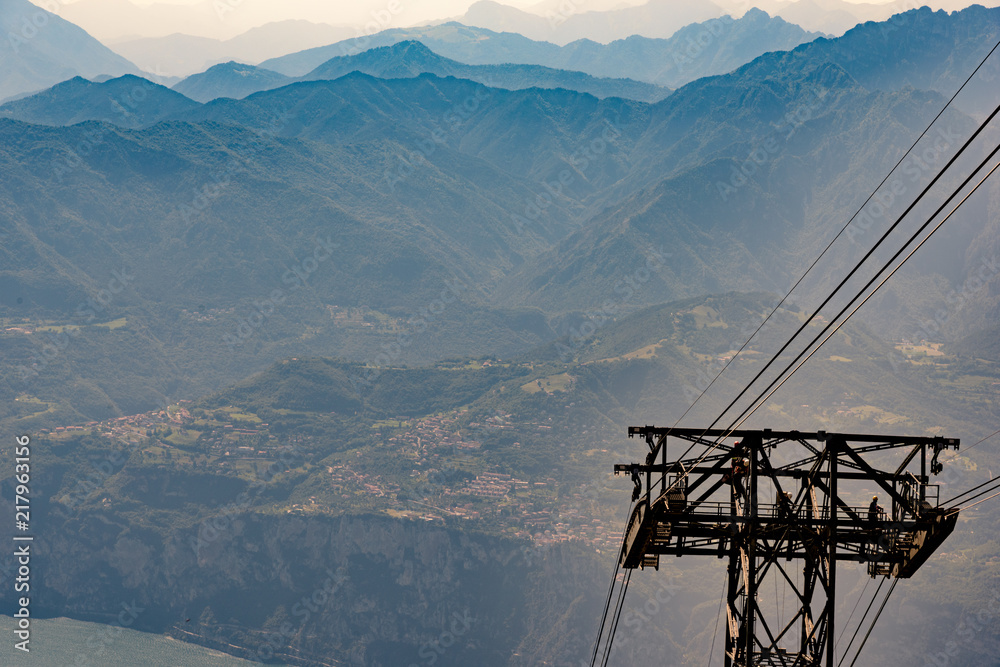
[[183, 55], [712, 47], [408, 59]]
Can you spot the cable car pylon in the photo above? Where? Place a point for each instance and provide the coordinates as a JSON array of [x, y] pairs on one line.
[[762, 499]]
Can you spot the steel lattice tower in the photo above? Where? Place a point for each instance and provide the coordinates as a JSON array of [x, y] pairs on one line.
[[762, 499]]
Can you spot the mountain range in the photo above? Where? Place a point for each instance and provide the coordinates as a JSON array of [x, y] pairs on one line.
[[366, 344], [570, 194], [713, 47], [409, 59], [656, 18]]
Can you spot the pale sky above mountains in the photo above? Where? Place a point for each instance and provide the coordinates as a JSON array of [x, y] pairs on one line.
[[117, 20]]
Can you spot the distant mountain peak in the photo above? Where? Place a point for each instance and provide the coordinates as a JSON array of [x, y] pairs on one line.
[[233, 66], [127, 100], [402, 59], [230, 79], [409, 48], [756, 13], [490, 4], [410, 58]]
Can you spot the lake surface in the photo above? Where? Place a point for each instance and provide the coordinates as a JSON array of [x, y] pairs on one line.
[[63, 642]]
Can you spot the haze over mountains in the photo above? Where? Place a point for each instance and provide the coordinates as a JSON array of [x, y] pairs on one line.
[[41, 49], [714, 47], [558, 22], [231, 79], [128, 101], [371, 323], [400, 567], [120, 20], [657, 18], [181, 55]]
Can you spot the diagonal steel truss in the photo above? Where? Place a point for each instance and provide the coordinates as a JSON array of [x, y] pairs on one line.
[[762, 499]]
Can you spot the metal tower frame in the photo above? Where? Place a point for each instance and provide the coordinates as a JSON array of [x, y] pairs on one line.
[[714, 505]]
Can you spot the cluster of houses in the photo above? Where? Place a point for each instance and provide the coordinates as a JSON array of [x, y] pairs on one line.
[[433, 433], [345, 481]]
